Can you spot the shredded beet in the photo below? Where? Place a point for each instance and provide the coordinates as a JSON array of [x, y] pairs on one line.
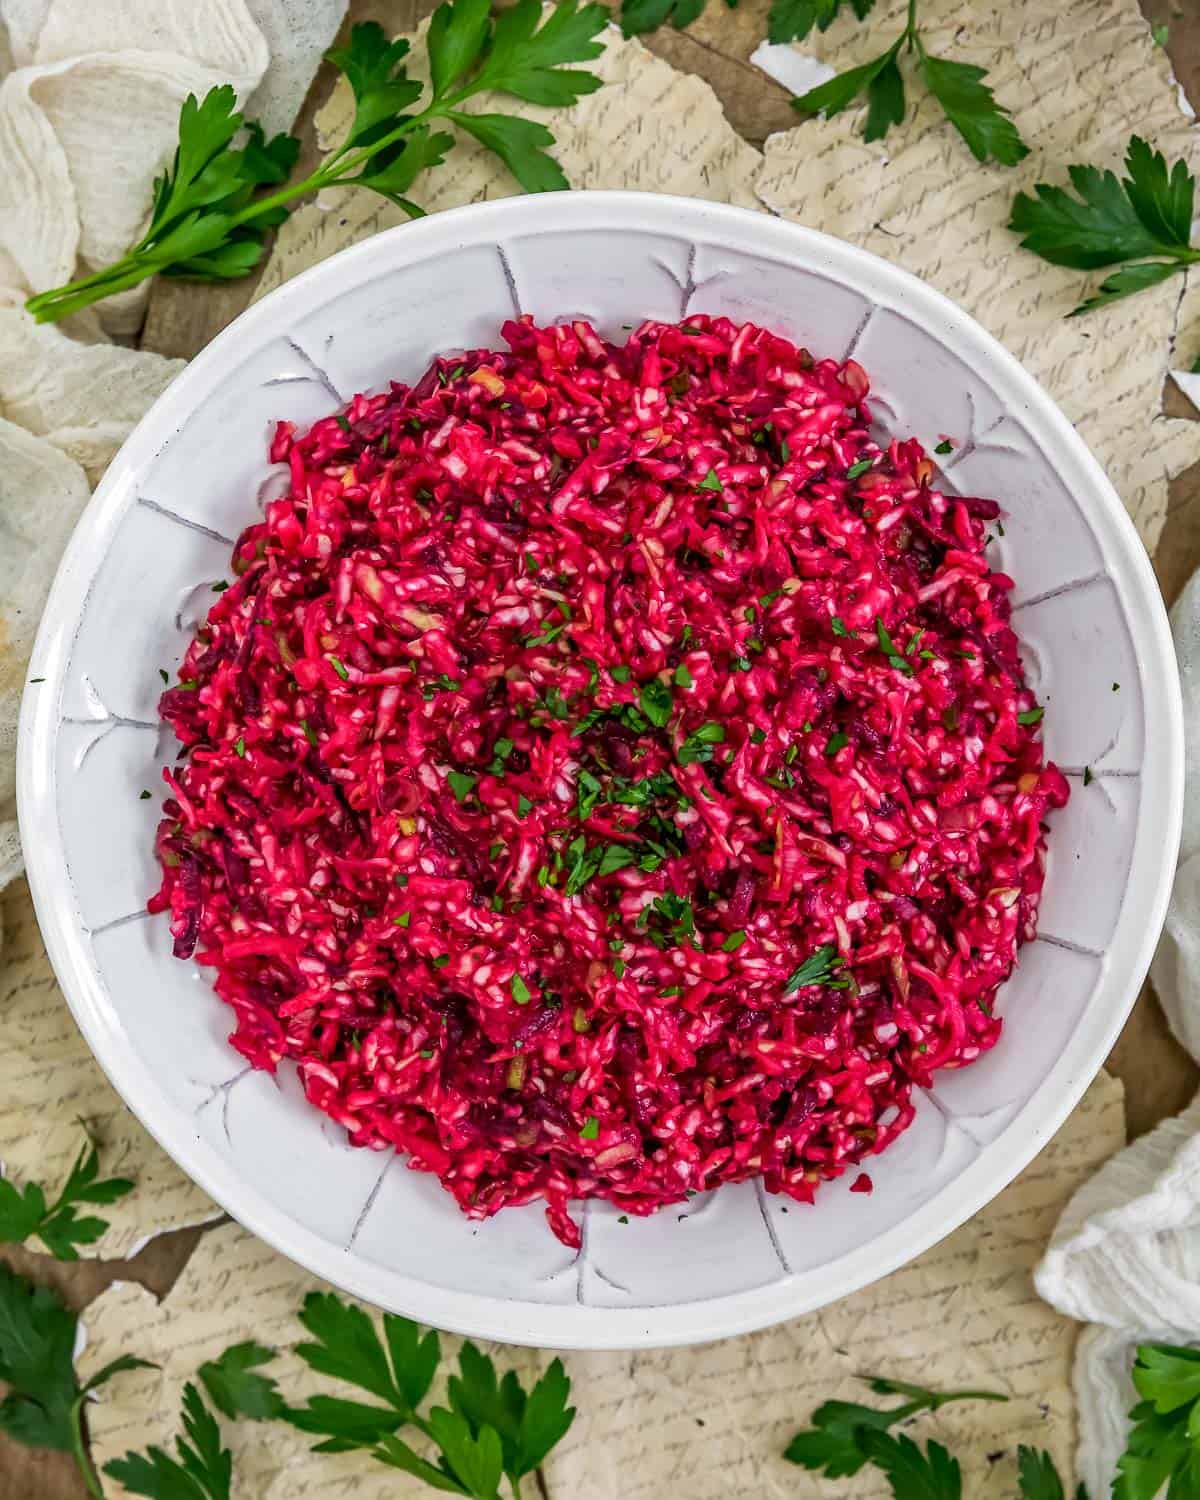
[[610, 774]]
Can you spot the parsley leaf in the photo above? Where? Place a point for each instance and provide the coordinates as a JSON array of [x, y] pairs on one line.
[[462, 784], [1111, 220], [203, 1470], [698, 746], [888, 647], [1164, 1443], [656, 702], [820, 967], [971, 108], [792, 20], [24, 1212], [833, 1444], [43, 1407], [913, 1475], [233, 1387], [209, 220], [1038, 1478], [967, 101], [641, 16]]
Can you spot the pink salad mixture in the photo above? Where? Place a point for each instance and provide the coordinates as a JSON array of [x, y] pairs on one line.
[[610, 774]]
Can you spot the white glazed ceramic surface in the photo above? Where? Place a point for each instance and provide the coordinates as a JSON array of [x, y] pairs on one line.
[[137, 578]]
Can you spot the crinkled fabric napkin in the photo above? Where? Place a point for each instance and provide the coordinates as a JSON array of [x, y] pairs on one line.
[[83, 132], [1126, 1252]]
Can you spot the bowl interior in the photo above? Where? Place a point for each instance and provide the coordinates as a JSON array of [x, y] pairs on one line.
[[138, 578]]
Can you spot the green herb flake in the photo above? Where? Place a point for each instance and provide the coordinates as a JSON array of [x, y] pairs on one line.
[[620, 674], [710, 481], [758, 736], [440, 961], [820, 967], [683, 678], [524, 806], [945, 446], [839, 626], [342, 422], [240, 746], [836, 742], [143, 795], [403, 919], [339, 668], [734, 941], [462, 784], [860, 467], [1088, 778], [1030, 716], [656, 702], [521, 992], [591, 1129]]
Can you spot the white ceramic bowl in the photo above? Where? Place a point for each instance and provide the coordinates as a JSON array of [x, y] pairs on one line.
[[136, 579]]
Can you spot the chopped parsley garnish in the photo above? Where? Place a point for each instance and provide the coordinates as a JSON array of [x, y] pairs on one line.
[[734, 941], [757, 736], [836, 742], [888, 647], [584, 863], [1088, 778], [591, 1129], [339, 668], [860, 467], [220, 586], [839, 626], [683, 678], [440, 961], [1030, 716], [620, 674], [656, 701], [710, 481], [521, 992], [403, 919], [342, 422], [143, 795], [240, 745], [462, 784], [820, 967], [440, 684], [699, 744], [309, 733], [945, 446], [524, 806]]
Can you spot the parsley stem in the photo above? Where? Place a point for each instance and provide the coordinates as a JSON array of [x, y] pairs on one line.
[[79, 1452]]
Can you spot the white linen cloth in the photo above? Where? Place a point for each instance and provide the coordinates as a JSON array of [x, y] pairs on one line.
[[1126, 1253], [74, 194]]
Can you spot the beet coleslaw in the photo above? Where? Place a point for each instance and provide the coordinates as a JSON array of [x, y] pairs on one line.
[[609, 773]]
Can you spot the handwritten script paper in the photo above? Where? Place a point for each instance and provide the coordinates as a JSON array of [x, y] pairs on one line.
[[49, 1081], [708, 1422]]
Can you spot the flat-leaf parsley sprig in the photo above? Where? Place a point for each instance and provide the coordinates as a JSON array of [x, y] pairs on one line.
[[209, 220], [968, 102], [1141, 222]]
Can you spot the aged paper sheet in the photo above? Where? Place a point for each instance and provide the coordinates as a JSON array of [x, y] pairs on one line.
[[708, 1422]]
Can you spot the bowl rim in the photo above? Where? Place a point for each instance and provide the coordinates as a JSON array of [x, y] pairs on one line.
[[580, 1326]]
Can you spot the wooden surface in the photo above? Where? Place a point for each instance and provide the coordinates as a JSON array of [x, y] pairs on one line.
[[1159, 1077]]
